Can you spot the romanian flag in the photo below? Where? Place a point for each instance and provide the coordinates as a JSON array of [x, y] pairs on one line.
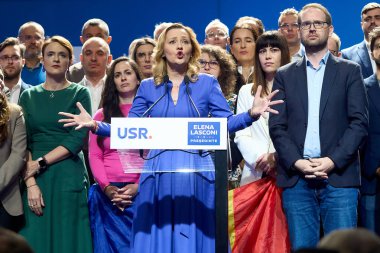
[[256, 221]]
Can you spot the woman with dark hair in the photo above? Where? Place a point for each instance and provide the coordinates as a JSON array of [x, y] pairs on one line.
[[254, 142], [12, 161], [141, 51], [56, 179], [110, 200], [258, 198], [242, 46], [175, 210]]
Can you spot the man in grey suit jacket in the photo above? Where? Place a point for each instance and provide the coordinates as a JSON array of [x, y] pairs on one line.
[[359, 53], [317, 134], [12, 61], [12, 161], [94, 27]]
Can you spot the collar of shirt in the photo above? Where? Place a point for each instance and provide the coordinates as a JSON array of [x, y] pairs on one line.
[[89, 84], [323, 60], [17, 86]]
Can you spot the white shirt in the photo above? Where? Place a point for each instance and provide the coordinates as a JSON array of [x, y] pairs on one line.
[[95, 93], [252, 141], [15, 92]]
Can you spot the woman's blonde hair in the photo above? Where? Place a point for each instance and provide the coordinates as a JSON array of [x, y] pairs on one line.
[[159, 64]]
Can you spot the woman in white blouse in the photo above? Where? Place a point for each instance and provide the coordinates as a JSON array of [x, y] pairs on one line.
[[254, 142]]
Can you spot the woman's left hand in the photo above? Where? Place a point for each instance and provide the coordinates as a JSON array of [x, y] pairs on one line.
[[32, 168], [125, 195], [263, 104], [266, 163]]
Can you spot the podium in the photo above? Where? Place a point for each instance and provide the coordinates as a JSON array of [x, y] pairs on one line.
[[182, 134]]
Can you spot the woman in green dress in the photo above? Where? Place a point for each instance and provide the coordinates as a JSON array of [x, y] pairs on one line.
[[56, 179]]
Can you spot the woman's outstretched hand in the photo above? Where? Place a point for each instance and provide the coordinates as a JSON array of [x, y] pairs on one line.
[[263, 104], [82, 120]]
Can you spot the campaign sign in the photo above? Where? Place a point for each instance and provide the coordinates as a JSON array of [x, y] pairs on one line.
[[169, 133], [203, 133]]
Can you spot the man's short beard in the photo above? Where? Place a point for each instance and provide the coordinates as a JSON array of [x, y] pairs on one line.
[[315, 48], [377, 61], [11, 76], [32, 55]]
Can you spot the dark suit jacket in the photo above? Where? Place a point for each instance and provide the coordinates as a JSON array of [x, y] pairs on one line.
[[12, 161], [343, 120], [371, 161], [359, 54], [24, 86]]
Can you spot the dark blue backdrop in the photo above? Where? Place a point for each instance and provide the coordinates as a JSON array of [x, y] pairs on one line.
[[131, 19]]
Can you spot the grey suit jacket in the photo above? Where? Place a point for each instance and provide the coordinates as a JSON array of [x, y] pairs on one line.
[[12, 161], [358, 53], [75, 73], [24, 86]]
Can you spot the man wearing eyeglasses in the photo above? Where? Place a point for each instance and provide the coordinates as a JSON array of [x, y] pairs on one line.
[[288, 26], [32, 36], [360, 53], [333, 44], [217, 34], [12, 61], [317, 134]]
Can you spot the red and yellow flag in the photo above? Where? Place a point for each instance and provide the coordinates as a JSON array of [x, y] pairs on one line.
[[256, 221]]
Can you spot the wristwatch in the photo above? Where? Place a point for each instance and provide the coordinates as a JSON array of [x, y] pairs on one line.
[[42, 162]]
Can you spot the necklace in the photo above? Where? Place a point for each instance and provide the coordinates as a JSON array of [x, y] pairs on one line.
[[51, 96]]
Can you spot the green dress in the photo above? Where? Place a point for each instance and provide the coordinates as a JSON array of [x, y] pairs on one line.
[[64, 226]]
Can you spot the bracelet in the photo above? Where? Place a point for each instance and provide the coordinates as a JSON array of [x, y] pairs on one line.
[[31, 186], [250, 114], [96, 127]]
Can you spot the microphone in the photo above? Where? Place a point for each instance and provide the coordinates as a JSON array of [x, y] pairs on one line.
[[166, 80], [187, 80]]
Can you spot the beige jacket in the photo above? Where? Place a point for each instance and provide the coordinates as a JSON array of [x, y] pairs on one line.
[[12, 161]]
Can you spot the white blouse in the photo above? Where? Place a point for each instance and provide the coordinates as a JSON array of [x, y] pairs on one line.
[[252, 141]]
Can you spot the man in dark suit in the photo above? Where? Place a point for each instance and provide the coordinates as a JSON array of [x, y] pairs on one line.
[[370, 189], [317, 134], [359, 53], [12, 61]]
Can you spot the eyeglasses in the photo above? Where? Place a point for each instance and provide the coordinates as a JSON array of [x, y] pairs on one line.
[[13, 58], [211, 64], [287, 26], [316, 24], [30, 37], [219, 34]]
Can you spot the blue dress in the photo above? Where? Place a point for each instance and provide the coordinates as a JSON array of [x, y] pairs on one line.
[[175, 212]]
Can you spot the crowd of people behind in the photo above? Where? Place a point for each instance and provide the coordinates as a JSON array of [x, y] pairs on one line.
[[301, 112]]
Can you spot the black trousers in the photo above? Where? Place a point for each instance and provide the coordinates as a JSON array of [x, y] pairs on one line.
[[14, 223]]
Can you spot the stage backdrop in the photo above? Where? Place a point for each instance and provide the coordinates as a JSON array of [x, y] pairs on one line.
[[132, 19]]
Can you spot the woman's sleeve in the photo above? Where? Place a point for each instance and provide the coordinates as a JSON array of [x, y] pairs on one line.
[[76, 138], [10, 169], [96, 156], [243, 138], [219, 108]]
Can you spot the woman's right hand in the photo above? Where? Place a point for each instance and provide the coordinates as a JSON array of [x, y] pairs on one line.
[[82, 120], [35, 199]]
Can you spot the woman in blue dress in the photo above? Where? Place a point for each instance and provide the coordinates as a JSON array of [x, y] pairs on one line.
[[175, 211]]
